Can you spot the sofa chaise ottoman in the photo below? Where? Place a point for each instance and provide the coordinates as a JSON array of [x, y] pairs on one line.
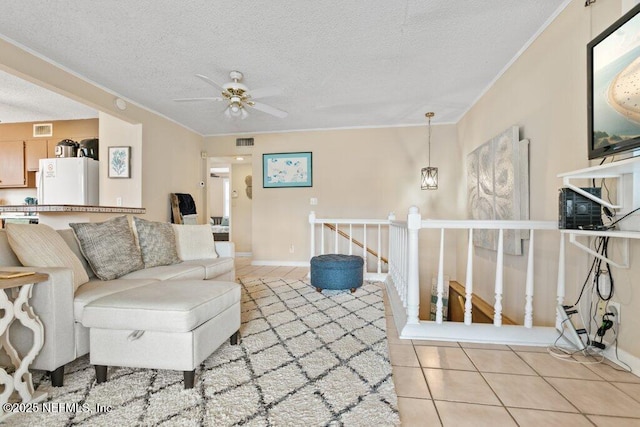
[[59, 302], [174, 324]]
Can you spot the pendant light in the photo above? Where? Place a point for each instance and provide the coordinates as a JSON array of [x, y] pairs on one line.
[[429, 175]]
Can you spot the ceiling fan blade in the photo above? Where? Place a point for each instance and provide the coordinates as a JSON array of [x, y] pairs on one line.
[[210, 98], [269, 110], [265, 92], [211, 82]]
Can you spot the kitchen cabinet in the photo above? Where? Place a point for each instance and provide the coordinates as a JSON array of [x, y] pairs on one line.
[[35, 150], [12, 167]]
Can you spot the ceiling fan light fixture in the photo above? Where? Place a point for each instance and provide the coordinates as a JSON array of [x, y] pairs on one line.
[[238, 97]]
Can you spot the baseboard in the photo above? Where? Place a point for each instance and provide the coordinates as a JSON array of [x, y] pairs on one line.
[[244, 254], [281, 263], [623, 358]]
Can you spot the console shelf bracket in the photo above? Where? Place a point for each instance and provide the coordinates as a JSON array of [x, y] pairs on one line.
[[566, 181], [625, 246]]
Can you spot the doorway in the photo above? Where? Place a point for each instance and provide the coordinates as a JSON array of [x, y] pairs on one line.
[[229, 196]]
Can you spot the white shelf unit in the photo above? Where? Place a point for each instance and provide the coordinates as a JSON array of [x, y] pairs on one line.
[[616, 170]]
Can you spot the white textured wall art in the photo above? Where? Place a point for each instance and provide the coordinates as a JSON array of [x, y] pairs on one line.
[[498, 188]]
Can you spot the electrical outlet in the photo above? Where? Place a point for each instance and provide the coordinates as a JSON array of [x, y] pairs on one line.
[[614, 307], [118, 201], [292, 249], [600, 309], [608, 307]]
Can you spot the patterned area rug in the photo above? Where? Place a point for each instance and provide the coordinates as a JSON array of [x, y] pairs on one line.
[[305, 359]]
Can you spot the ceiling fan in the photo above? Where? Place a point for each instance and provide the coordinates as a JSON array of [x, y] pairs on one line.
[[239, 97]]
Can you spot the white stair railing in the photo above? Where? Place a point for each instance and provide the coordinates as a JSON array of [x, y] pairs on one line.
[[351, 236], [403, 251], [403, 272]]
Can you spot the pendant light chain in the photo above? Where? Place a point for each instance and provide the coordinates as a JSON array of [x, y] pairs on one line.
[[429, 115]]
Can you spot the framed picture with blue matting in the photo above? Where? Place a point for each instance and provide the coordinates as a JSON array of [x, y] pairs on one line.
[[280, 170]]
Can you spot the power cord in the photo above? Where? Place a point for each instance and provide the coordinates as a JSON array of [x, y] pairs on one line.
[[566, 354], [586, 280], [626, 367]]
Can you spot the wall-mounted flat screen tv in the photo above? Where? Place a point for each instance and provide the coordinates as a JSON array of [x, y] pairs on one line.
[[613, 65]]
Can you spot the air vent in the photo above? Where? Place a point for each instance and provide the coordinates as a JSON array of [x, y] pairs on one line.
[[244, 142], [42, 129]]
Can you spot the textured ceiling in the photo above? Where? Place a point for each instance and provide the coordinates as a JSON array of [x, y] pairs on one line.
[[339, 63], [21, 101]]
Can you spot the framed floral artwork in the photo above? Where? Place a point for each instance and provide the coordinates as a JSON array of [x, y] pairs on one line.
[[119, 162], [286, 170]]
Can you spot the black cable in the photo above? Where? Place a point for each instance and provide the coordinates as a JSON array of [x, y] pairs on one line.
[[586, 280], [593, 180], [610, 214], [620, 219], [616, 347]]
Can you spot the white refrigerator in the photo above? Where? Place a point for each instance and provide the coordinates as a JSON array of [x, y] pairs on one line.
[[68, 181]]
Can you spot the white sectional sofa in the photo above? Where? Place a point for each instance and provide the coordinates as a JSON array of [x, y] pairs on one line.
[[60, 308]]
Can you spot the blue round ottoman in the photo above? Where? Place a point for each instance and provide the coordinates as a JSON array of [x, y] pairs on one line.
[[335, 271]]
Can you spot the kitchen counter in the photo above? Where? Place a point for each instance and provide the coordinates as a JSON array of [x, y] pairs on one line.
[[70, 208]]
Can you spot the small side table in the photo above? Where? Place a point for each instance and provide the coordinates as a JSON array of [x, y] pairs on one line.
[[16, 306]]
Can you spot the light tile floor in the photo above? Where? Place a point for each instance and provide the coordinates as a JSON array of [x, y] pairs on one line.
[[464, 384]]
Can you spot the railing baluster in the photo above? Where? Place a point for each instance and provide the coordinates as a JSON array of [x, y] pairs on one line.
[[497, 317], [440, 285], [312, 248], [405, 264], [322, 239], [561, 280], [335, 245], [468, 305], [350, 239], [379, 249], [364, 245], [528, 307]]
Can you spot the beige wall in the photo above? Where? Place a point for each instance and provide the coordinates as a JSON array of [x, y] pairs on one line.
[[117, 133], [544, 93], [171, 161], [356, 173], [241, 209]]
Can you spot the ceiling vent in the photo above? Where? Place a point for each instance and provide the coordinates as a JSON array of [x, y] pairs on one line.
[[42, 129], [244, 142]]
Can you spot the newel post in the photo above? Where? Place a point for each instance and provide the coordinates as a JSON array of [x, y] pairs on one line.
[[312, 222], [414, 221]]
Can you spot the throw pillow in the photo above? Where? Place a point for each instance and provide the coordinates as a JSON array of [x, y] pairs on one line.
[[157, 242], [225, 221], [109, 247], [38, 245], [195, 242]]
